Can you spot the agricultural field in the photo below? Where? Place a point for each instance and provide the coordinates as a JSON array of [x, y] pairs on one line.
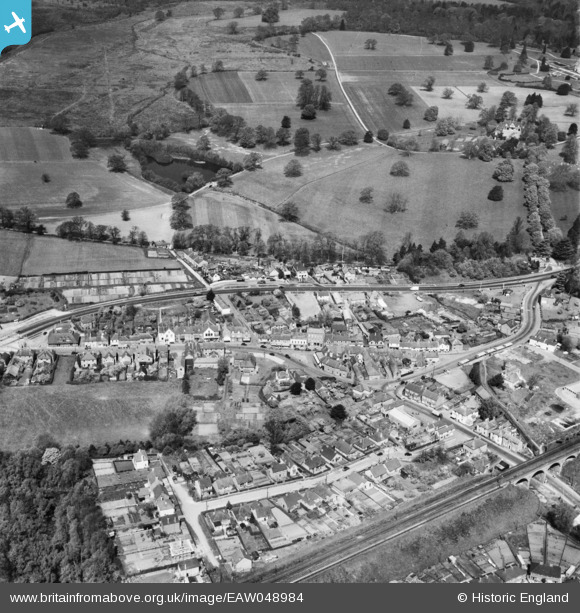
[[230, 210], [79, 414], [33, 145], [29, 255], [327, 194], [266, 102]]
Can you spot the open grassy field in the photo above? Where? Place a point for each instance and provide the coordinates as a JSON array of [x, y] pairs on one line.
[[351, 44], [99, 189], [28, 153], [28, 254], [80, 414], [439, 188]]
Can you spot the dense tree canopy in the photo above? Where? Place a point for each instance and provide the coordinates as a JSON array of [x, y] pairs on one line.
[[52, 529]]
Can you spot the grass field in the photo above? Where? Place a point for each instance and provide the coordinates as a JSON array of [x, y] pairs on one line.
[[439, 188], [351, 44], [28, 254], [80, 414], [28, 153]]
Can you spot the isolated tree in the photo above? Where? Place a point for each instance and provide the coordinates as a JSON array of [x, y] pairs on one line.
[[571, 110], [474, 102], [310, 384], [495, 193], [366, 194], [370, 43], [406, 124], [289, 211], [218, 12], [316, 142], [125, 215], [301, 141], [467, 220], [45, 177], [233, 27], [396, 203], [482, 87], [338, 412], [159, 16], [261, 75], [293, 169], [180, 80], [116, 163], [223, 177], [428, 83], [448, 93], [270, 14], [218, 66], [383, 134], [286, 122], [321, 74], [202, 69], [299, 74], [400, 169], [448, 49], [73, 201], [368, 137], [431, 113], [238, 12]]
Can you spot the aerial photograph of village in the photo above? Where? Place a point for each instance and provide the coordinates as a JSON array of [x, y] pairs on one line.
[[290, 292]]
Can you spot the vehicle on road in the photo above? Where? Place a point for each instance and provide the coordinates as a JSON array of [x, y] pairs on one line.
[[414, 288]]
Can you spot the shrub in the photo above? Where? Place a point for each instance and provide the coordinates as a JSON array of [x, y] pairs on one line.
[[383, 134], [564, 89], [348, 137]]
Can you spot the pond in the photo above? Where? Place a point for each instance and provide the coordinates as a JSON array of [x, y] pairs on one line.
[[179, 170]]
